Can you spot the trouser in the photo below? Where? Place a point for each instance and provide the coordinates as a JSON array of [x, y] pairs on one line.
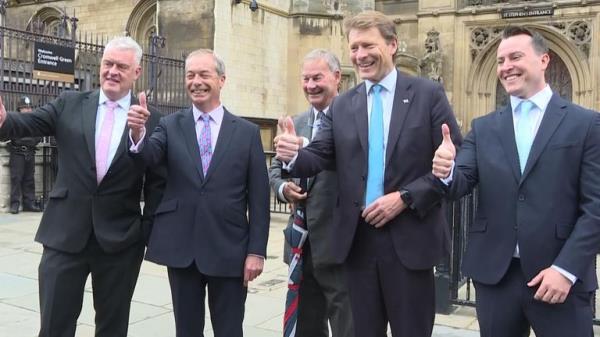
[[22, 183], [62, 278]]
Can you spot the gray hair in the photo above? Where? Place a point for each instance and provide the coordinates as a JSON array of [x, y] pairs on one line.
[[321, 54], [125, 43], [219, 64]]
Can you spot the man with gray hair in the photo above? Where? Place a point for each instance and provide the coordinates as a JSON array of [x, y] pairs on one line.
[[212, 225], [92, 223], [323, 294]]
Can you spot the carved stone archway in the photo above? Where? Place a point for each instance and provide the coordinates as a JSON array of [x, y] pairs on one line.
[[481, 82], [142, 22]]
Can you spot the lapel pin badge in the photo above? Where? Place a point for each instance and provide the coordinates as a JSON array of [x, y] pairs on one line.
[[405, 101]]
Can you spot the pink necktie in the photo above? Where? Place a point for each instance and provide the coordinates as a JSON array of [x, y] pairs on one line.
[[103, 143]]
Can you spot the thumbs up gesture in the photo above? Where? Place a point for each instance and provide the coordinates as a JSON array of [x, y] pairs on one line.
[[287, 143], [137, 116], [444, 155]]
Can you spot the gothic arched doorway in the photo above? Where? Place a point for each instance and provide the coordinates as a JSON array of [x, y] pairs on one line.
[[557, 76]]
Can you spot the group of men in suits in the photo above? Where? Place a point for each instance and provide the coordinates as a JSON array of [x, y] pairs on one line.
[[393, 141]]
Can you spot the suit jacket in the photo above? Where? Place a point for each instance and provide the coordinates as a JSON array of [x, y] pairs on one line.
[[322, 194], [217, 220], [420, 107], [552, 210], [77, 205]]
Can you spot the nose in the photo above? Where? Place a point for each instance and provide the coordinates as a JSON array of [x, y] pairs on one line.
[[505, 65], [361, 53], [311, 84]]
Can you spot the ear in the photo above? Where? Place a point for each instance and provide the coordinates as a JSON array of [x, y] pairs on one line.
[[138, 72], [222, 81], [545, 61], [393, 45]]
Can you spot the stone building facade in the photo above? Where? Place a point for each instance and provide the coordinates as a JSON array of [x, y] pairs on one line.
[[451, 41]]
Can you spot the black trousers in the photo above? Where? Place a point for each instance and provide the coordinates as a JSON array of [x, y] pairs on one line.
[[22, 183], [383, 290], [323, 298], [226, 301], [62, 278], [508, 309]]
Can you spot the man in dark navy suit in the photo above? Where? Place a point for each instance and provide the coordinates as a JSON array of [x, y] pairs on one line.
[[532, 246]]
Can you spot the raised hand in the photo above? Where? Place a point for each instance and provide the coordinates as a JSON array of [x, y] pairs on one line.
[[287, 143], [136, 118], [444, 155], [2, 112]]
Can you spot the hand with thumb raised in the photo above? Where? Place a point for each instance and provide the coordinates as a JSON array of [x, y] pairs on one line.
[[444, 155], [137, 116], [287, 143]]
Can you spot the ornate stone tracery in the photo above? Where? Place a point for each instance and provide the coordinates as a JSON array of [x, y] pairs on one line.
[[579, 32]]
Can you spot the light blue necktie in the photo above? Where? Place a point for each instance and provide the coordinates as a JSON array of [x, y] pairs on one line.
[[524, 135], [376, 148]]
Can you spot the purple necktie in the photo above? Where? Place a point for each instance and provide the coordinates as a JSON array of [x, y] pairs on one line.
[[205, 143], [103, 143]]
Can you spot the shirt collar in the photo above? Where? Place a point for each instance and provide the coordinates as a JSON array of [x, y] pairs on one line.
[[388, 82], [316, 111], [124, 102], [541, 99], [216, 115]]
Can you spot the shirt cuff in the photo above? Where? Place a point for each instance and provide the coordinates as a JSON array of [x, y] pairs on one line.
[[446, 181], [136, 148], [262, 257], [305, 141], [280, 192], [565, 273], [289, 166]]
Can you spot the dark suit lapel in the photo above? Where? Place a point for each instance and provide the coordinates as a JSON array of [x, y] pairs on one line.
[[402, 101], [555, 112], [188, 128], [223, 140], [89, 108], [359, 102], [506, 133]]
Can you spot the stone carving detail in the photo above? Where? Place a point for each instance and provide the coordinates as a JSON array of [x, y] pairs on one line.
[[579, 32], [432, 62], [481, 37]]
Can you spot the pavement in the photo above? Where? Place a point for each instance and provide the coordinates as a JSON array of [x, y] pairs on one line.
[[151, 310]]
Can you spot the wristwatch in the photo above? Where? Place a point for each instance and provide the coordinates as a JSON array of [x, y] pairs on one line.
[[407, 198]]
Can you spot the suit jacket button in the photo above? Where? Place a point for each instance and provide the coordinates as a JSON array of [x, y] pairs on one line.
[[356, 203], [521, 197]]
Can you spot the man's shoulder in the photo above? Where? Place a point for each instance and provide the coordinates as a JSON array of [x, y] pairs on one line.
[[240, 121]]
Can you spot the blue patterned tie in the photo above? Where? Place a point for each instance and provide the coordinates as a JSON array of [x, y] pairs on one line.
[[376, 148], [205, 143], [524, 134]]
